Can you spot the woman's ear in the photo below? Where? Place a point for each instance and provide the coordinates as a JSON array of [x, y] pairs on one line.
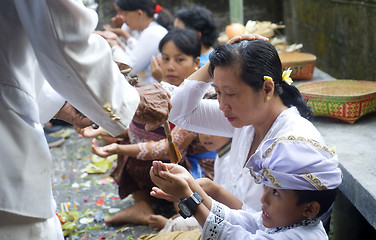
[[199, 35], [140, 14], [197, 62], [311, 209], [268, 88]]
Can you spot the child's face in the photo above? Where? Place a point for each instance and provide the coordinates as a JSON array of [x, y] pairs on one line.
[[280, 208], [213, 143], [176, 66]]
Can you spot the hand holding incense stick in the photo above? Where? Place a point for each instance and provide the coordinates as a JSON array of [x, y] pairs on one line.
[[175, 155]]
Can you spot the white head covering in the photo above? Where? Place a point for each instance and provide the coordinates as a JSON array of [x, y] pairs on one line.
[[295, 163]]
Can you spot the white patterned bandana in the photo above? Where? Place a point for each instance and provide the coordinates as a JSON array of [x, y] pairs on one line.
[[295, 163]]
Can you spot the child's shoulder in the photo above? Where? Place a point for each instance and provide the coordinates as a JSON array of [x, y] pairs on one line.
[[313, 232]]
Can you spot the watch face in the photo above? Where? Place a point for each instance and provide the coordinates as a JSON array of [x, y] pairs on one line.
[[184, 209]]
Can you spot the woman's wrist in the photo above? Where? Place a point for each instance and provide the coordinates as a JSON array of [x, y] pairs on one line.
[[202, 74]]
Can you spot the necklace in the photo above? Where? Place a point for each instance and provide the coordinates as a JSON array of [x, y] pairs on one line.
[[305, 222]]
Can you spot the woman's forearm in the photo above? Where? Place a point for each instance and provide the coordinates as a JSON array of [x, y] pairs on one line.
[[202, 74], [124, 34]]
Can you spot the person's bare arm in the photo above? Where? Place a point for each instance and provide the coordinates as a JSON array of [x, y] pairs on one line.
[[218, 193]]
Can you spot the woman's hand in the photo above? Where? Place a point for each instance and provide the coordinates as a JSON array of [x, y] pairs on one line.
[[117, 31], [156, 70], [117, 21], [249, 37], [107, 35], [111, 37], [105, 151]]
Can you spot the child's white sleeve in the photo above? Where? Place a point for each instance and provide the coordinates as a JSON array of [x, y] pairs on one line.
[[226, 223]]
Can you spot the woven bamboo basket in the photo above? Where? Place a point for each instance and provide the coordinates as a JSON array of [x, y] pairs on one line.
[[347, 100], [301, 64]]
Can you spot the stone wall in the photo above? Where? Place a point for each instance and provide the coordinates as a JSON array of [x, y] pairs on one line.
[[341, 33]]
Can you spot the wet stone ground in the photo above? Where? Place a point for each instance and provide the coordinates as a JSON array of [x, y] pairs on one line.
[[83, 199]]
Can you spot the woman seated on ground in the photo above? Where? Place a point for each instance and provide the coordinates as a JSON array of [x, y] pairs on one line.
[[180, 49], [139, 15], [256, 102]]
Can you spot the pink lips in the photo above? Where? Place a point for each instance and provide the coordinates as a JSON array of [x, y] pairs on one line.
[[264, 215], [230, 119], [171, 77]]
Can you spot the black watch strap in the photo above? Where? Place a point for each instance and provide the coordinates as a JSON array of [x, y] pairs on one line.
[[188, 206]]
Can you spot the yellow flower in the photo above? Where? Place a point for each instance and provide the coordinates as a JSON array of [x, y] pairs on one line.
[[267, 78], [286, 76], [333, 149]]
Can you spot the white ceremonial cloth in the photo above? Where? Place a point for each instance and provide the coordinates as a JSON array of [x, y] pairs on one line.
[[50, 40], [193, 113]]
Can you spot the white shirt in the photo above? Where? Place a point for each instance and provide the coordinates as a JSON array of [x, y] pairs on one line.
[[220, 168], [139, 52], [226, 223], [50, 40], [135, 34], [191, 112]]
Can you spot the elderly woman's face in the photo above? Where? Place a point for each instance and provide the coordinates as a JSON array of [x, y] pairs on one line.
[[240, 103]]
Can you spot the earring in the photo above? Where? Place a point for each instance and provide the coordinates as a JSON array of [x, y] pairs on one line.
[[267, 98], [196, 68]]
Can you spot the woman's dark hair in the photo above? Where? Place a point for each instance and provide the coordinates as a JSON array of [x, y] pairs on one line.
[[186, 40], [200, 19], [164, 18], [324, 198], [256, 59]]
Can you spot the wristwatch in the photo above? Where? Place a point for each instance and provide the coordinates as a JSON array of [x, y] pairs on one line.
[[188, 206]]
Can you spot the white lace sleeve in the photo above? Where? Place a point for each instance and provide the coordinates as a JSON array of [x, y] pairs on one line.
[[159, 149], [193, 113], [222, 222]]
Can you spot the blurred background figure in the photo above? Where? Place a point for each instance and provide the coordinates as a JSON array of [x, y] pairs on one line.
[[152, 22]]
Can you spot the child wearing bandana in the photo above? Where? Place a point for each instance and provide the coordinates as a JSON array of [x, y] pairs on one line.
[[300, 179]]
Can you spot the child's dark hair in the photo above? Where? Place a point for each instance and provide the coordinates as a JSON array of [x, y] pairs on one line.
[[256, 59], [325, 198], [186, 40], [200, 19], [164, 18]]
